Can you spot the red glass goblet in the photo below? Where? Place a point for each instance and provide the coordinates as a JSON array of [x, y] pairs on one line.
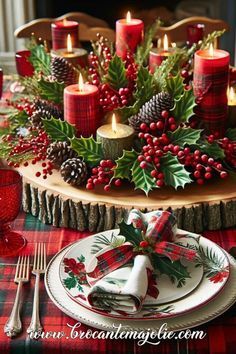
[[23, 65], [10, 202], [195, 33]]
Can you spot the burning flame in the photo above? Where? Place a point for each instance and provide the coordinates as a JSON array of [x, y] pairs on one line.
[[128, 17], [81, 82], [64, 21], [211, 50], [231, 96], [113, 123], [69, 44], [165, 43]]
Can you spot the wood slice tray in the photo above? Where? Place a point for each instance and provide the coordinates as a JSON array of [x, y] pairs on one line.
[[197, 208]]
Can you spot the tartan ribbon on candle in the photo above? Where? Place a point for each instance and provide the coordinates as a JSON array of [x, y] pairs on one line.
[[158, 230]]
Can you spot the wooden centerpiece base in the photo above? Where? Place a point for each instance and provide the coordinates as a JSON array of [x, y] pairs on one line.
[[197, 208]]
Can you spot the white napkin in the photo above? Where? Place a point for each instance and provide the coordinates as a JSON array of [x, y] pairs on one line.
[[113, 292]]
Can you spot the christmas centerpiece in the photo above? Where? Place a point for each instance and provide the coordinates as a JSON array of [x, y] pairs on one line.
[[116, 125]]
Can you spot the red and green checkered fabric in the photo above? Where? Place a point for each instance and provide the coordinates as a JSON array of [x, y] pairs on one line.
[[220, 338]]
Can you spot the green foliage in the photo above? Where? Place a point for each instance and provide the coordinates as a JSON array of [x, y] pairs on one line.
[[116, 75], [142, 178], [17, 120], [5, 149], [210, 38], [175, 174], [40, 60], [131, 234], [128, 111], [183, 107], [124, 164], [142, 53], [213, 150], [182, 136], [176, 271], [58, 130], [175, 86], [51, 91], [87, 148], [231, 134]]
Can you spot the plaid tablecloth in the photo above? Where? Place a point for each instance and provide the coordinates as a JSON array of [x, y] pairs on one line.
[[220, 336]]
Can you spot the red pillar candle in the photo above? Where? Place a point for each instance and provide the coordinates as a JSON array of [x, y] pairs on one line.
[[129, 33], [60, 31], [157, 55], [210, 81], [81, 107]]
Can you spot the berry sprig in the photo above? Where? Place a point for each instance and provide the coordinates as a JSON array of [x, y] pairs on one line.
[[103, 175], [229, 150], [111, 99], [23, 104], [34, 146]]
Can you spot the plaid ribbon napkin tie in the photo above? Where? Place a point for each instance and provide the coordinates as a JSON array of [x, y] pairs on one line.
[[126, 296]]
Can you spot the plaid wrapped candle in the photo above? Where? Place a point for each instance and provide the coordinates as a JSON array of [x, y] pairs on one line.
[[211, 74], [60, 31], [129, 33], [81, 108]]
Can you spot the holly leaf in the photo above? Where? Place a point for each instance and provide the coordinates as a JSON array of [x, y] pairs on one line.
[[142, 178], [183, 107], [182, 136], [17, 120], [213, 150], [231, 134], [81, 258], [175, 86], [176, 271], [175, 174], [145, 87], [124, 164], [58, 130], [70, 282], [40, 60], [51, 90], [116, 75], [131, 234], [87, 148]]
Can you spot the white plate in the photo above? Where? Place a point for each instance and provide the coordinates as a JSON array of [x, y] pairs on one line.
[[197, 317], [172, 300]]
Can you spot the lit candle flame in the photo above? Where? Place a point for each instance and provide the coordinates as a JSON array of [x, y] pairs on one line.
[[211, 50], [69, 44], [64, 21], [165, 43], [231, 96], [81, 82], [113, 123], [128, 17]]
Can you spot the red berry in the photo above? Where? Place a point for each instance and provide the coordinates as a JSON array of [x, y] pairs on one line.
[[26, 164], [208, 175], [173, 127], [107, 187], [200, 181], [153, 126], [143, 126], [185, 73], [141, 158], [38, 174], [160, 125], [89, 186], [165, 114], [171, 120], [154, 173], [197, 174], [204, 158], [118, 182], [148, 158], [223, 174], [210, 161], [144, 244], [160, 182], [143, 164]]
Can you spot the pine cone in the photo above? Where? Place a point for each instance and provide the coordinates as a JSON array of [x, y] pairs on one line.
[[44, 110], [151, 110], [60, 151], [74, 171], [63, 71]]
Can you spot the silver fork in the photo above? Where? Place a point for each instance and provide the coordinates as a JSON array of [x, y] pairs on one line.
[[39, 268], [13, 325]]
